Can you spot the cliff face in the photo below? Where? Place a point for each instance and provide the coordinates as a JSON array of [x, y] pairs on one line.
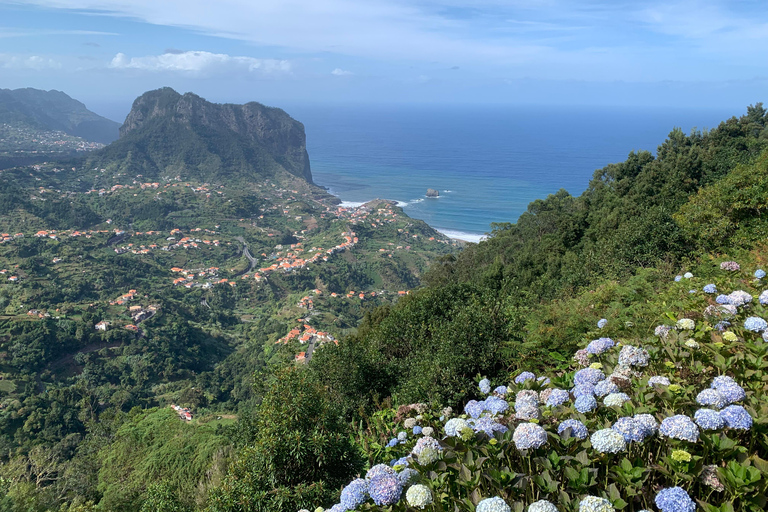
[[247, 135], [54, 110]]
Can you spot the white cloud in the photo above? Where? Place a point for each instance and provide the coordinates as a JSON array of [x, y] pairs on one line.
[[199, 62], [35, 62], [341, 72]]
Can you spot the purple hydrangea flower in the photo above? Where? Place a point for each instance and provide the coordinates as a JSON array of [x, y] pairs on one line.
[[385, 489]]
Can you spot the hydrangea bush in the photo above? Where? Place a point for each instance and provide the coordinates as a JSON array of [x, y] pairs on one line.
[[672, 418]]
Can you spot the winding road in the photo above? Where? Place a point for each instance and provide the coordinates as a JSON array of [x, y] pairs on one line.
[[248, 255]]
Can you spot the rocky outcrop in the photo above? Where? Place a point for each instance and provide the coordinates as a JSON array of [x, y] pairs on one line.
[[248, 134], [432, 193]]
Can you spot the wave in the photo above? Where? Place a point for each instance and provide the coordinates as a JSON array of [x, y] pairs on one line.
[[352, 204], [403, 204], [462, 235]]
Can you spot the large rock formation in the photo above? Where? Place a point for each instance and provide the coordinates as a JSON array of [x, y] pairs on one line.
[[167, 132], [432, 193]]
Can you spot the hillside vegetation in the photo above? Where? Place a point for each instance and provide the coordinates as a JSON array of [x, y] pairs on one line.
[[564, 359]]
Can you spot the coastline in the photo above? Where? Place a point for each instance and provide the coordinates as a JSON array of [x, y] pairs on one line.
[[461, 236]]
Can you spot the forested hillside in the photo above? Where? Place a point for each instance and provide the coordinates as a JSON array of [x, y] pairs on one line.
[[637, 277]]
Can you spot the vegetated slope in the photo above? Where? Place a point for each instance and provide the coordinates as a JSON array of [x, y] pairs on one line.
[[54, 111], [169, 134], [501, 297]]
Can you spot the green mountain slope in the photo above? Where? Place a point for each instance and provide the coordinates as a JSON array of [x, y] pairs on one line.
[[54, 111]]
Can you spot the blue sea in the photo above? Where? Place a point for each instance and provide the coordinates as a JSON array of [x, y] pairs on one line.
[[487, 163]]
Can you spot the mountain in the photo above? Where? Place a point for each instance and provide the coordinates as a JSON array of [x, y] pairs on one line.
[[168, 134], [54, 111]]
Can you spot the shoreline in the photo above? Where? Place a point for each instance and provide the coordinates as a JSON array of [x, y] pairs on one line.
[[453, 234]]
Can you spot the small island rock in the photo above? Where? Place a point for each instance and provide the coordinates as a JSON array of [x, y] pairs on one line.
[[432, 193]]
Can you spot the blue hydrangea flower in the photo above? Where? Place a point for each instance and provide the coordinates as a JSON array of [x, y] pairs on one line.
[[544, 381], [711, 397], [408, 476], [759, 273], [558, 397], [588, 376], [338, 508], [708, 419], [454, 426], [658, 380], [418, 496], [722, 325], [424, 442], [402, 436], [487, 425], [354, 494], [494, 504], [680, 427], [524, 376], [578, 429], [495, 405], [602, 323], [755, 324], [378, 470], [729, 388], [710, 288], [600, 346], [608, 440], [630, 428], [595, 504], [584, 390], [735, 416], [527, 408], [416, 430], [678, 279], [485, 386], [585, 403], [501, 390], [402, 461], [674, 499], [633, 356], [392, 442], [474, 408], [616, 399], [529, 435], [763, 298], [648, 423], [385, 489], [542, 506], [691, 291], [723, 299]]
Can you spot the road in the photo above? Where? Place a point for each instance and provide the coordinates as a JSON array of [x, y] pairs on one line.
[[248, 255]]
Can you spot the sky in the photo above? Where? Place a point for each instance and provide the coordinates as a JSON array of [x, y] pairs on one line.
[[697, 54]]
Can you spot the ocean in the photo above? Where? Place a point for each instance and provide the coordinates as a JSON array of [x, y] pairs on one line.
[[487, 163]]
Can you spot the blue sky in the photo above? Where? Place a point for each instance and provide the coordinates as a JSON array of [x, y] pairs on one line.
[[700, 54]]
